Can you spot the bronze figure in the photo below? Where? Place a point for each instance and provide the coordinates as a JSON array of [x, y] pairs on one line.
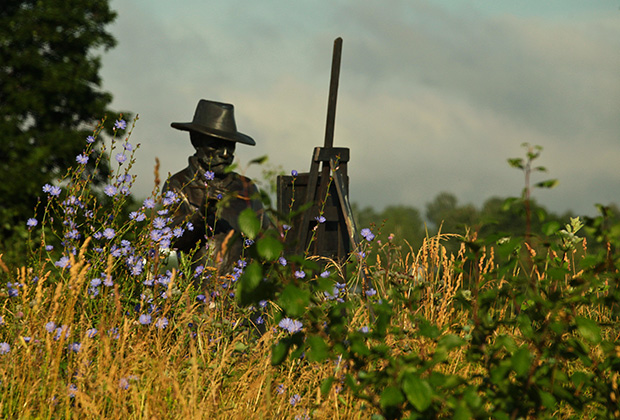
[[211, 198]]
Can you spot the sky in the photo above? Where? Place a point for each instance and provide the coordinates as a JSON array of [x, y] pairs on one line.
[[434, 96]]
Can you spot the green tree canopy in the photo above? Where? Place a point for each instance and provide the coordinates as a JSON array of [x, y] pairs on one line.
[[50, 94]]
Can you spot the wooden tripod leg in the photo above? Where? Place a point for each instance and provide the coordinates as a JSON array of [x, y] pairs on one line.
[[313, 178]]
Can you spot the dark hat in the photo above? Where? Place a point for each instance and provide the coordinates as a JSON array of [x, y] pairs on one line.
[[215, 119]]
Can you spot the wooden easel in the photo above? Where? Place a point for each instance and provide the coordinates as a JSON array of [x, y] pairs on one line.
[[326, 187]]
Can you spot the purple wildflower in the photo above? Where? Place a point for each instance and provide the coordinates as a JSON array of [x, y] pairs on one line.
[[108, 233], [367, 234], [209, 175], [120, 158], [110, 190], [90, 139], [291, 325], [82, 159], [295, 399], [300, 274], [4, 348], [63, 262], [120, 124], [320, 219], [161, 323], [144, 319], [32, 222], [149, 203]]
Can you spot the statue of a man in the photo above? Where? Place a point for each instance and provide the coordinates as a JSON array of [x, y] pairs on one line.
[[211, 198]]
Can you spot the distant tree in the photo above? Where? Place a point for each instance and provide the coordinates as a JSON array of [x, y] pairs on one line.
[[403, 222], [50, 95], [445, 211]]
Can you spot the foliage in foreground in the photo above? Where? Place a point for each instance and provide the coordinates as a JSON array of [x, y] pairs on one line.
[[99, 323]]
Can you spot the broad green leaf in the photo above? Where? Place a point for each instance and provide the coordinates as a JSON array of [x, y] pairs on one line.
[[418, 392], [461, 412], [391, 397], [547, 399], [521, 360], [279, 352], [269, 248], [249, 223], [294, 300], [471, 397], [507, 342], [248, 283], [427, 329], [326, 385], [450, 341], [589, 329], [551, 228], [317, 349]]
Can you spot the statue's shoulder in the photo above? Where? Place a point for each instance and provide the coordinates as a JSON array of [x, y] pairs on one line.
[[180, 179]]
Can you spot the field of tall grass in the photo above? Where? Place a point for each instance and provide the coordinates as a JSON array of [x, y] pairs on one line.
[[101, 321]]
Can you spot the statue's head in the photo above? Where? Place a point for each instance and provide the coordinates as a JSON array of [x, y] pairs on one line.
[[214, 134], [214, 153]]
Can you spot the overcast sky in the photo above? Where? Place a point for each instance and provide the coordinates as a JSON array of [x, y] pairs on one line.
[[434, 95]]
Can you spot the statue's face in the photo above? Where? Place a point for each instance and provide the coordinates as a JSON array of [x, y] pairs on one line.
[[214, 154]]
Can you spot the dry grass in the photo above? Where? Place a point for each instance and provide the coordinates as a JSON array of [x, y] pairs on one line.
[[215, 368]]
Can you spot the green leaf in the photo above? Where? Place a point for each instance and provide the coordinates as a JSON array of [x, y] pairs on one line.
[[269, 248], [550, 183], [516, 163], [418, 392], [294, 300], [450, 341], [547, 399], [326, 385], [317, 349], [471, 397], [427, 329], [279, 352], [391, 397], [550, 228], [249, 282], [521, 360], [259, 160], [249, 223], [241, 347], [589, 329]]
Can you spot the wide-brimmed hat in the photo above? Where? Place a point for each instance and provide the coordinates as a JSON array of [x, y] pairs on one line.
[[215, 119]]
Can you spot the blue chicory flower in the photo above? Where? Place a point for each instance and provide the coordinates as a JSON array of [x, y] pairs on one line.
[[110, 190], [291, 325], [367, 234], [120, 158], [82, 159]]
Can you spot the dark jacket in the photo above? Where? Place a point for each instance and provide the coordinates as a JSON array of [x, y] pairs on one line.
[[213, 208]]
